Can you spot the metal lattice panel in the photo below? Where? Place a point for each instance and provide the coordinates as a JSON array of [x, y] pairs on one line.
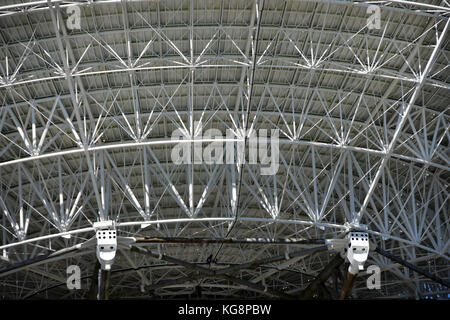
[[87, 117]]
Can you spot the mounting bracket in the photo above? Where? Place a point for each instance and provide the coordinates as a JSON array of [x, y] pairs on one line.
[[354, 248], [357, 250], [105, 232]]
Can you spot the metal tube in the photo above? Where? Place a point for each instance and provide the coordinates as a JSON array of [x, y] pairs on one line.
[[94, 281], [212, 273], [347, 285], [413, 267], [229, 240], [308, 293], [103, 287]]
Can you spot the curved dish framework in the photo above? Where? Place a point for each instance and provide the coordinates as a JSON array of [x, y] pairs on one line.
[[87, 117]]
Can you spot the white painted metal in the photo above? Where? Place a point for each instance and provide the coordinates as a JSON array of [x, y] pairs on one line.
[[87, 116], [357, 251]]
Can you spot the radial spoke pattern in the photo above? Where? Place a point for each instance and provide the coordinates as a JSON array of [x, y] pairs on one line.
[[90, 116]]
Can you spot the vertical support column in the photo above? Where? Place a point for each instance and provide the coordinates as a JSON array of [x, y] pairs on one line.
[[346, 289], [103, 284]]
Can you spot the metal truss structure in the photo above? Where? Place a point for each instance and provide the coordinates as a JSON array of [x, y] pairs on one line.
[[86, 122]]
